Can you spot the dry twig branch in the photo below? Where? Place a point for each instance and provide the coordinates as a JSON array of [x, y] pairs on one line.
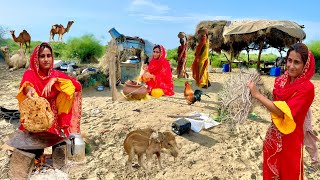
[[235, 98]]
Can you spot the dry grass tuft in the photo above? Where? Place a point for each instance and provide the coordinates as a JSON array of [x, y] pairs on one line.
[[235, 99]]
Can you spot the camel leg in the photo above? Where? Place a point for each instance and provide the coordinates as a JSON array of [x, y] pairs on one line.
[[14, 68], [26, 47], [62, 38]]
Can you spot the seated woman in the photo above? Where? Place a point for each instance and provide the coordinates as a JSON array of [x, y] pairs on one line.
[[157, 75], [60, 90]]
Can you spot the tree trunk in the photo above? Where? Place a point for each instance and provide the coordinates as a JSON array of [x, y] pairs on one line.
[[259, 56]]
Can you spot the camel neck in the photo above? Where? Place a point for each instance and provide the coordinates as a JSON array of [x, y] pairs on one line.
[[14, 37]]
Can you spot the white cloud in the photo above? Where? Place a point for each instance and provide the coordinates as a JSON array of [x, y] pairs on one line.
[[148, 6], [180, 19]]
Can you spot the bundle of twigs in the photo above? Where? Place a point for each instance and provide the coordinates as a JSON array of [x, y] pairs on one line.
[[111, 52], [235, 99]]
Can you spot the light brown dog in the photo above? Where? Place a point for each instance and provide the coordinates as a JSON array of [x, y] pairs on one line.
[[150, 142]]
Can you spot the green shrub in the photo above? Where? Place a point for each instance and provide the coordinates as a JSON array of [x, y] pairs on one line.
[[58, 49], [314, 47], [14, 47], [86, 49], [215, 58], [172, 56]]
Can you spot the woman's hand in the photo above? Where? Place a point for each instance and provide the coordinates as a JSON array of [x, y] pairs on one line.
[[145, 67], [47, 89], [148, 75], [30, 91], [253, 89]]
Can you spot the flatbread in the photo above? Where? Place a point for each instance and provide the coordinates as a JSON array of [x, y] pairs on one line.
[[36, 114]]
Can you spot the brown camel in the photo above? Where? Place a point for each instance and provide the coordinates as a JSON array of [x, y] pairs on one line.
[[60, 30], [23, 38], [16, 61]]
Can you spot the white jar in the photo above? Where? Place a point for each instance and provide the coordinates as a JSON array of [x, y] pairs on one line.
[[69, 68], [76, 147]]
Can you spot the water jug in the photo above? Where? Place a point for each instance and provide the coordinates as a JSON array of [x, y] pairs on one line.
[[76, 147], [69, 68]]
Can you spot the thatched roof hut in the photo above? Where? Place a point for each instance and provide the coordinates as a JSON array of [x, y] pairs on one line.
[[233, 37]]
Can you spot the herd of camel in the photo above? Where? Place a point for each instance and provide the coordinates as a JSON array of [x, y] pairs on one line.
[[19, 60]]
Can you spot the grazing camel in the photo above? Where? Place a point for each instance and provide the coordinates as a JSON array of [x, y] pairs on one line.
[[16, 61], [60, 30], [23, 38]]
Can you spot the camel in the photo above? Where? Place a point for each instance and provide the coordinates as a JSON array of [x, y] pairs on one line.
[[18, 60], [23, 38], [60, 30]]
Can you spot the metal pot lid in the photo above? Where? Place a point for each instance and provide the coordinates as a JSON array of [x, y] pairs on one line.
[[28, 140]]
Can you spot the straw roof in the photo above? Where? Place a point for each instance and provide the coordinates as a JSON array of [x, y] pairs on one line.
[[233, 37]]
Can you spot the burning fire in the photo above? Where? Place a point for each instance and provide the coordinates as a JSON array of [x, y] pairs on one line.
[[38, 163]]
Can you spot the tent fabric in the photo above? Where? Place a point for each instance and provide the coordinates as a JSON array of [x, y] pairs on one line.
[[250, 26]]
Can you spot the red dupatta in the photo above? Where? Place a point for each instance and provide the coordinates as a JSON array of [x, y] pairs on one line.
[[161, 69]]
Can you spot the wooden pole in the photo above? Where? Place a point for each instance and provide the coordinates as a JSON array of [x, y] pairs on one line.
[[112, 77], [259, 56]]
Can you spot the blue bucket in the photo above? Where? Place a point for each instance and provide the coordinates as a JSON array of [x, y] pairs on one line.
[[275, 71], [226, 68]]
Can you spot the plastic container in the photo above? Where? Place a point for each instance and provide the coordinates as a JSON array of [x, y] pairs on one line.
[[76, 147], [226, 68], [69, 68], [129, 71], [275, 71], [100, 88]]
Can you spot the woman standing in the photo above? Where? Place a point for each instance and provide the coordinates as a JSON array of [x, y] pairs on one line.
[[293, 94], [182, 56], [55, 86], [201, 63], [157, 75]]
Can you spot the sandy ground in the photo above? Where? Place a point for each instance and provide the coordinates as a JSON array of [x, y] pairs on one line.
[[214, 153]]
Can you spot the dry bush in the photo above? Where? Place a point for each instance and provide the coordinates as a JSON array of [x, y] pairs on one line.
[[235, 99], [111, 52]]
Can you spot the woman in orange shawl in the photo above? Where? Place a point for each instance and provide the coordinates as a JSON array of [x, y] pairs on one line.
[[58, 88], [200, 64], [293, 94], [158, 73]]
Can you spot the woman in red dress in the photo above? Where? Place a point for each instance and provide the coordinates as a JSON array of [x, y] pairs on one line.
[[158, 74], [60, 90], [293, 94]]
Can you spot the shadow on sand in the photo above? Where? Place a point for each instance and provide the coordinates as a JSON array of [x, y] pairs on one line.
[[200, 139]]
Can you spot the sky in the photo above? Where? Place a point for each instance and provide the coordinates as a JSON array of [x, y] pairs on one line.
[[158, 21]]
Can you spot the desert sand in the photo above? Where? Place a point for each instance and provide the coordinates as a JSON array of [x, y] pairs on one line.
[[214, 153]]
